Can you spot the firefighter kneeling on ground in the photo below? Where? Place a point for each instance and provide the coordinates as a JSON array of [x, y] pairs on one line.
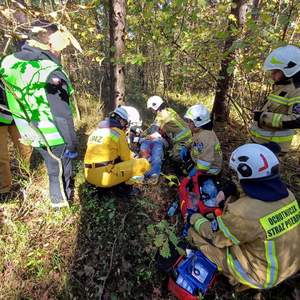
[[257, 242], [108, 160], [204, 154]]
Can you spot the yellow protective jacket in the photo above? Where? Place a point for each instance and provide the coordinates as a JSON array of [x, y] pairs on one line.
[[283, 105], [171, 124], [108, 159], [257, 243], [107, 144], [206, 152]]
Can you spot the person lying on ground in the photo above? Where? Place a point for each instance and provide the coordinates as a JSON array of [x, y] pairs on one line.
[[168, 123]]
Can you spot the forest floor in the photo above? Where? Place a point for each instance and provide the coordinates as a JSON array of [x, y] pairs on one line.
[[103, 247]]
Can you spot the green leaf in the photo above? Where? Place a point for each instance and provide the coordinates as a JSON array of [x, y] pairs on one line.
[[222, 35], [165, 250], [150, 230], [173, 238], [159, 240]]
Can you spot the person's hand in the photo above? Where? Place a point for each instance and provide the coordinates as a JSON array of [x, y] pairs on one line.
[[154, 136], [257, 115], [220, 197], [183, 153], [70, 154]]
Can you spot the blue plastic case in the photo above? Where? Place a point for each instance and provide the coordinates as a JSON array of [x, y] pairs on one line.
[[196, 273]]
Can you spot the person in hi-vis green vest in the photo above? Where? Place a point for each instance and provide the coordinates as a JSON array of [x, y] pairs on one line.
[[38, 96]]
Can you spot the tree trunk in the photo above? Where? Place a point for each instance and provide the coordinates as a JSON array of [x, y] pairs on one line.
[[221, 107], [117, 12]]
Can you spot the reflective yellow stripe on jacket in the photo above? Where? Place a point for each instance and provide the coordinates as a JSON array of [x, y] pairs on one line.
[[275, 225], [283, 100], [280, 136]]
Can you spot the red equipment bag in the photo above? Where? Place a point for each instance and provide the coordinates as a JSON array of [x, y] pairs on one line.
[[180, 292], [195, 275], [189, 193]]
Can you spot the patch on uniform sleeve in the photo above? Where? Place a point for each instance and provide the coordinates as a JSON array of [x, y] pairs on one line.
[[198, 146], [281, 221], [296, 109]]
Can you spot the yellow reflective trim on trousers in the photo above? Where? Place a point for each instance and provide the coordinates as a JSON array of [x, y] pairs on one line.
[[198, 223], [226, 231], [272, 267], [239, 272], [277, 139], [276, 120]]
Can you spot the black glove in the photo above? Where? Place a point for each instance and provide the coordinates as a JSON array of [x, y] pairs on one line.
[[189, 165], [257, 115], [229, 189], [294, 124]]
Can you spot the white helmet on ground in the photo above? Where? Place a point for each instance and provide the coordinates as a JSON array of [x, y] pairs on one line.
[[286, 59], [122, 113], [199, 114], [154, 102], [254, 161], [133, 116]]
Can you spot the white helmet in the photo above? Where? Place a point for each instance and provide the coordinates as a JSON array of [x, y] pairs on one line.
[[154, 102], [254, 161], [133, 116], [286, 59], [122, 113], [199, 114]]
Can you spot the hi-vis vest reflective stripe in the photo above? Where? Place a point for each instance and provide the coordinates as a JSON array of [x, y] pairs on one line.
[[279, 136], [27, 80], [5, 118], [283, 100]]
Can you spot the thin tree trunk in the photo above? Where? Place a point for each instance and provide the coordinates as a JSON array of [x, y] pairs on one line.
[[220, 107], [117, 12]]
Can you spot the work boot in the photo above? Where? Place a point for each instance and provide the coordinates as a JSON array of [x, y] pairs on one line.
[[134, 192], [125, 190], [135, 180], [59, 203]]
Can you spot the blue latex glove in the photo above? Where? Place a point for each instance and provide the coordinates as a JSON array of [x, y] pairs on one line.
[[183, 153], [70, 154], [192, 172], [185, 230]]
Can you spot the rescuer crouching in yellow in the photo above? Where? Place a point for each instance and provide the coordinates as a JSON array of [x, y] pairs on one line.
[[108, 160], [257, 239]]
